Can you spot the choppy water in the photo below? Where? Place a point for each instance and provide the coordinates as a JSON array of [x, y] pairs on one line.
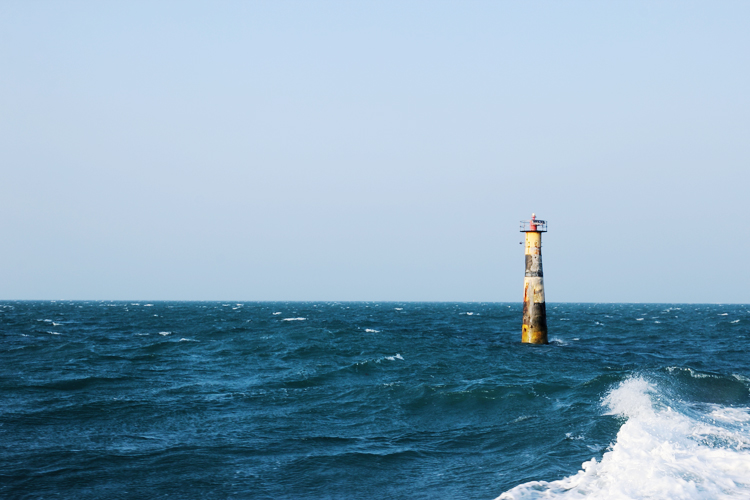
[[372, 400]]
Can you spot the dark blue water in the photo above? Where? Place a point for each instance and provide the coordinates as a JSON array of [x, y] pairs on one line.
[[371, 400]]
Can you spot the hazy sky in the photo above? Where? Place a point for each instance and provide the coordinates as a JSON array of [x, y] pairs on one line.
[[317, 150]]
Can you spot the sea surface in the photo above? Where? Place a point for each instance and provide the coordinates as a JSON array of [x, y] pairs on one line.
[[329, 400]]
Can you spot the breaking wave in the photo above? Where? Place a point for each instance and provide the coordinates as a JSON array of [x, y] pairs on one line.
[[666, 448]]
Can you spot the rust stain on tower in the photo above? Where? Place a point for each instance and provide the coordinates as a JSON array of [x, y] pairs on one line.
[[534, 330]]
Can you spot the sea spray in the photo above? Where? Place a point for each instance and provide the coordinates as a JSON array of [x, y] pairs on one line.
[[664, 449]]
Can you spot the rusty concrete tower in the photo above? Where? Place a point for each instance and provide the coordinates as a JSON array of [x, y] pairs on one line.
[[534, 309]]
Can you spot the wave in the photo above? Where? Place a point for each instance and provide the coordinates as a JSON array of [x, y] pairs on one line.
[[665, 449]]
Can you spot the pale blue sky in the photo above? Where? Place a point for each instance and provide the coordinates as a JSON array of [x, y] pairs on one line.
[[347, 150]]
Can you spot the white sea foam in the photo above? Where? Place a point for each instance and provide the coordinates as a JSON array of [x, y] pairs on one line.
[[522, 418], [399, 308], [723, 314], [277, 313], [693, 373], [469, 313], [370, 330], [165, 333], [54, 333], [735, 321], [660, 452], [148, 305], [294, 319], [639, 319], [394, 358]]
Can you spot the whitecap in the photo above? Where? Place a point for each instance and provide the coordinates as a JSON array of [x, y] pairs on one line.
[[394, 358], [148, 305], [276, 313], [54, 333], [370, 330], [469, 313], [165, 333], [735, 321], [693, 373], [293, 319], [659, 452], [522, 418], [639, 319], [399, 308], [183, 339], [723, 314]]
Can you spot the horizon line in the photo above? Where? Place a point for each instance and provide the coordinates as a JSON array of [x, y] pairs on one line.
[[389, 301]]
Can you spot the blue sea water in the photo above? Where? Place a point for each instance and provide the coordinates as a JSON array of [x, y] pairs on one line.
[[325, 400]]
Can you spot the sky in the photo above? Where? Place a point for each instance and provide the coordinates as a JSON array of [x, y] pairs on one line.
[[374, 150]]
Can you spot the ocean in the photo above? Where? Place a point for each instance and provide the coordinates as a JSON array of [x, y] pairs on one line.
[[372, 400]]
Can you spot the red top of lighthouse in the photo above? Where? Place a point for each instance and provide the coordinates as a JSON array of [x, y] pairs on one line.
[[534, 225]]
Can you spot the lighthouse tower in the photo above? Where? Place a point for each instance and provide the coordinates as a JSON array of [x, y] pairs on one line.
[[534, 310]]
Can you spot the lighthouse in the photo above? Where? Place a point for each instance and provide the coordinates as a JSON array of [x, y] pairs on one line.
[[534, 330]]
